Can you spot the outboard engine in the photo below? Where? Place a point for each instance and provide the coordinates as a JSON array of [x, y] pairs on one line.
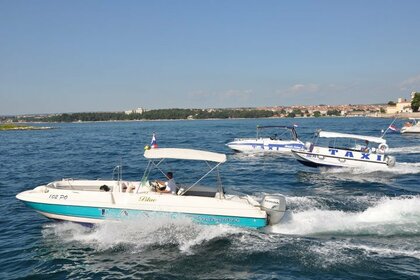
[[274, 206], [390, 161]]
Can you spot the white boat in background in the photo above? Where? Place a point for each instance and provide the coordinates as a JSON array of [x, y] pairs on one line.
[[413, 126], [96, 201], [345, 150], [277, 143]]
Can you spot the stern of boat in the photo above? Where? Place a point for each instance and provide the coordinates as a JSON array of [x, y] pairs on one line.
[[275, 207]]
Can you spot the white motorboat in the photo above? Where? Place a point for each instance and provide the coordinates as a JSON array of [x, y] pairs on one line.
[[345, 150], [282, 143], [96, 201], [413, 126]]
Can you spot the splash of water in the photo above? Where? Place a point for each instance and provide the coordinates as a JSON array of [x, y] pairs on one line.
[[387, 217], [140, 234], [399, 168], [405, 150]]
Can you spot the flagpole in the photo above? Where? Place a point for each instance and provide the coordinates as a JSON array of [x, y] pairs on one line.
[[386, 130]]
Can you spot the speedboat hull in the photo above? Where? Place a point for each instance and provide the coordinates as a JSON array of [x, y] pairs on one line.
[[410, 129], [95, 215], [84, 202], [325, 157], [264, 145]]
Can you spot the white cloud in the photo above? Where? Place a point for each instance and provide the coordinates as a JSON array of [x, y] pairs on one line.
[[412, 83], [301, 88]]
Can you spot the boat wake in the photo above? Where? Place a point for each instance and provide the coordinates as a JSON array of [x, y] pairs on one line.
[[405, 150], [399, 168], [386, 217], [140, 234]]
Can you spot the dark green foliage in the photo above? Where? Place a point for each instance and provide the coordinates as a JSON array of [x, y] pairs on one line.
[[317, 114], [415, 103], [333, 113], [160, 114]]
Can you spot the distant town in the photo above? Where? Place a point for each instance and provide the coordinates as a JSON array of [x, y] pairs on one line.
[[401, 108]]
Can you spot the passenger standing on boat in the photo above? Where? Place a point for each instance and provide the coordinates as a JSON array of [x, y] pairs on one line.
[[170, 185]]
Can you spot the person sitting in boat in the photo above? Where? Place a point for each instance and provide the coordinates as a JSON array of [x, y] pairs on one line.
[[168, 186], [366, 147]]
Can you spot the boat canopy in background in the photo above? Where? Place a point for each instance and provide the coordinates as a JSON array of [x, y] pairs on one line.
[[327, 134], [187, 154]]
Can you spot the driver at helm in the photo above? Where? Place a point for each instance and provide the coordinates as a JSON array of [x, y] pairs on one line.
[[168, 186]]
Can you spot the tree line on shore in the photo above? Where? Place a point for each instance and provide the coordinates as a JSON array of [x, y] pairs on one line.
[[171, 114]]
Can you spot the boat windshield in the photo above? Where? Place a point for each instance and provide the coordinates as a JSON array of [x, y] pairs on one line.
[[347, 144], [414, 121], [275, 132], [327, 134]]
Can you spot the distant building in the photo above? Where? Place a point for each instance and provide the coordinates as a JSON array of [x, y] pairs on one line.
[[402, 106], [135, 111]]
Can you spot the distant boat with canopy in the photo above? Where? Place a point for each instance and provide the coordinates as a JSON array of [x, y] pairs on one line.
[[283, 140]]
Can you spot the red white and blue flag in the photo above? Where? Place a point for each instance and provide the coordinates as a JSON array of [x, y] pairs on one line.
[[153, 144], [393, 127]]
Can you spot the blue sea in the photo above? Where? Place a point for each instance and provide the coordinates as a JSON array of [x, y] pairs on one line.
[[340, 223]]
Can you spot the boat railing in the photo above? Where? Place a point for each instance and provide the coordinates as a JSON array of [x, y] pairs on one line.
[[117, 173]]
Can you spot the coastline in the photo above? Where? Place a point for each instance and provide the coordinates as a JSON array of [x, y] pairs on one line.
[[18, 126], [14, 127]]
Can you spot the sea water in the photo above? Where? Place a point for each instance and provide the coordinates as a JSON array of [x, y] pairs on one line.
[[340, 223]]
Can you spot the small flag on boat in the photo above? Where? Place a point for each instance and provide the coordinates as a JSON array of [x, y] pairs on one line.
[[153, 144], [393, 127]]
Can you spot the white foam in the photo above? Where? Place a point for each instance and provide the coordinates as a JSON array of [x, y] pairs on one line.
[[332, 252], [405, 150], [140, 233], [388, 216], [399, 168], [388, 252]]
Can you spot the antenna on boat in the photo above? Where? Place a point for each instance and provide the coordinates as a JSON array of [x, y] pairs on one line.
[[388, 128]]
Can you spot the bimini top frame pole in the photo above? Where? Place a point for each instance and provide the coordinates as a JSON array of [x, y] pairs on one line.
[[184, 154]]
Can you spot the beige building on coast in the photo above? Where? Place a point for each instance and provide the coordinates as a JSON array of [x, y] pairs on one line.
[[402, 106]]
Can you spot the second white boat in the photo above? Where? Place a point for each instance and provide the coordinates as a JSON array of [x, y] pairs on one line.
[[345, 150], [282, 142]]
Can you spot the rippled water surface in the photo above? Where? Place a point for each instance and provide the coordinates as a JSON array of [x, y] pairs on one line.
[[340, 223]]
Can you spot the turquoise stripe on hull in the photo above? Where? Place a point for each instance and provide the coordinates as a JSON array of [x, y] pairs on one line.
[[119, 214]]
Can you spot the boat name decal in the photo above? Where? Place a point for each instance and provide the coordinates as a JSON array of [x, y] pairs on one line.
[[284, 146], [218, 219], [272, 201], [349, 154], [365, 156], [58, 196], [333, 151], [146, 199]]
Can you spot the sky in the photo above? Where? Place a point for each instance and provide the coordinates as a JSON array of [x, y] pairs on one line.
[[86, 56]]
